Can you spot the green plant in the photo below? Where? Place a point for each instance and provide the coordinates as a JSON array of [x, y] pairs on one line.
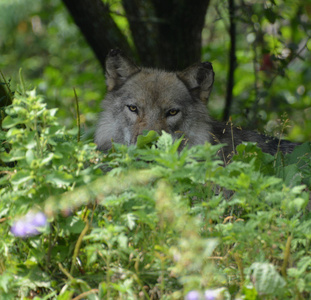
[[148, 220]]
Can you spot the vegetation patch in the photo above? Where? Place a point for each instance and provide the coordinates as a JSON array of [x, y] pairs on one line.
[[147, 221]]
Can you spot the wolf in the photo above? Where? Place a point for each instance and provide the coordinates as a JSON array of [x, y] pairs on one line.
[[141, 99]]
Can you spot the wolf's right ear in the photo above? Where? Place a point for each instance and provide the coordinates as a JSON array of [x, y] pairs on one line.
[[118, 68], [199, 78]]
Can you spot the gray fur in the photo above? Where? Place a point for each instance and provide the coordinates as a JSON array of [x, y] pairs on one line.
[[147, 99]]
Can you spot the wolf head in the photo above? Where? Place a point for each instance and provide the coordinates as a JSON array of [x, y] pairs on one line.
[[141, 99]]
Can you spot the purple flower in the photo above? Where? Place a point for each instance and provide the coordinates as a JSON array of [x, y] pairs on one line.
[[211, 294], [39, 219], [29, 224], [193, 295]]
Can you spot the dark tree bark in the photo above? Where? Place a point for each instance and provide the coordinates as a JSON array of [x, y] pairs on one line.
[[180, 33], [143, 24], [94, 20], [232, 61], [167, 34]]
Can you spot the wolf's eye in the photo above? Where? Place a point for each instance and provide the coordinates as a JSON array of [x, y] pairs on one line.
[[172, 112], [133, 108]]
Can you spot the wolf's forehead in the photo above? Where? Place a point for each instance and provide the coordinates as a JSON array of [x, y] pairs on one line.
[[158, 86]]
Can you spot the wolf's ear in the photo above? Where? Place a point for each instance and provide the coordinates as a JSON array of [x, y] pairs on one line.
[[199, 78], [118, 68]]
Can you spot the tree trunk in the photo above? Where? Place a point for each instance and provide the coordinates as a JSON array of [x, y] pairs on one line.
[[143, 24], [167, 34], [94, 20], [180, 38], [232, 61]]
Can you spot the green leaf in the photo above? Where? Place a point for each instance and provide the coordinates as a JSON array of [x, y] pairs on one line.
[[291, 175], [31, 140], [29, 156], [249, 292], [20, 177], [244, 181], [47, 159], [59, 178], [301, 157], [4, 180], [146, 139], [165, 141], [130, 220], [65, 294], [10, 122], [267, 280], [74, 224]]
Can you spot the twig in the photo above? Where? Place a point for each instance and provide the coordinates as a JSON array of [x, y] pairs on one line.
[[65, 271], [232, 137], [93, 291], [216, 257]]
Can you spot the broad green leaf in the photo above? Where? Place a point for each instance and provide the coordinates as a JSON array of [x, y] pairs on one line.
[[47, 159], [291, 175], [267, 280], [29, 156], [146, 140], [74, 224], [59, 178], [21, 177], [10, 122]]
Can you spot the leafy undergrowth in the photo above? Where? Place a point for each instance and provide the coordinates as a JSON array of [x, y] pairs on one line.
[[147, 221]]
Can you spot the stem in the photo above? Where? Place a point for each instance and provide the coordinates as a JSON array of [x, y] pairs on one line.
[[65, 271], [232, 137], [78, 114], [108, 272], [81, 296], [239, 263], [78, 245], [22, 82], [48, 259], [286, 256], [38, 148]]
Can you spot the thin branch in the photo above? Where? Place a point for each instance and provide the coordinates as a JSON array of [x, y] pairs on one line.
[[65, 271], [83, 295], [78, 115]]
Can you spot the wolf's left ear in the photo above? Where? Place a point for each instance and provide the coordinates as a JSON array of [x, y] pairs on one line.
[[199, 77], [118, 68]]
